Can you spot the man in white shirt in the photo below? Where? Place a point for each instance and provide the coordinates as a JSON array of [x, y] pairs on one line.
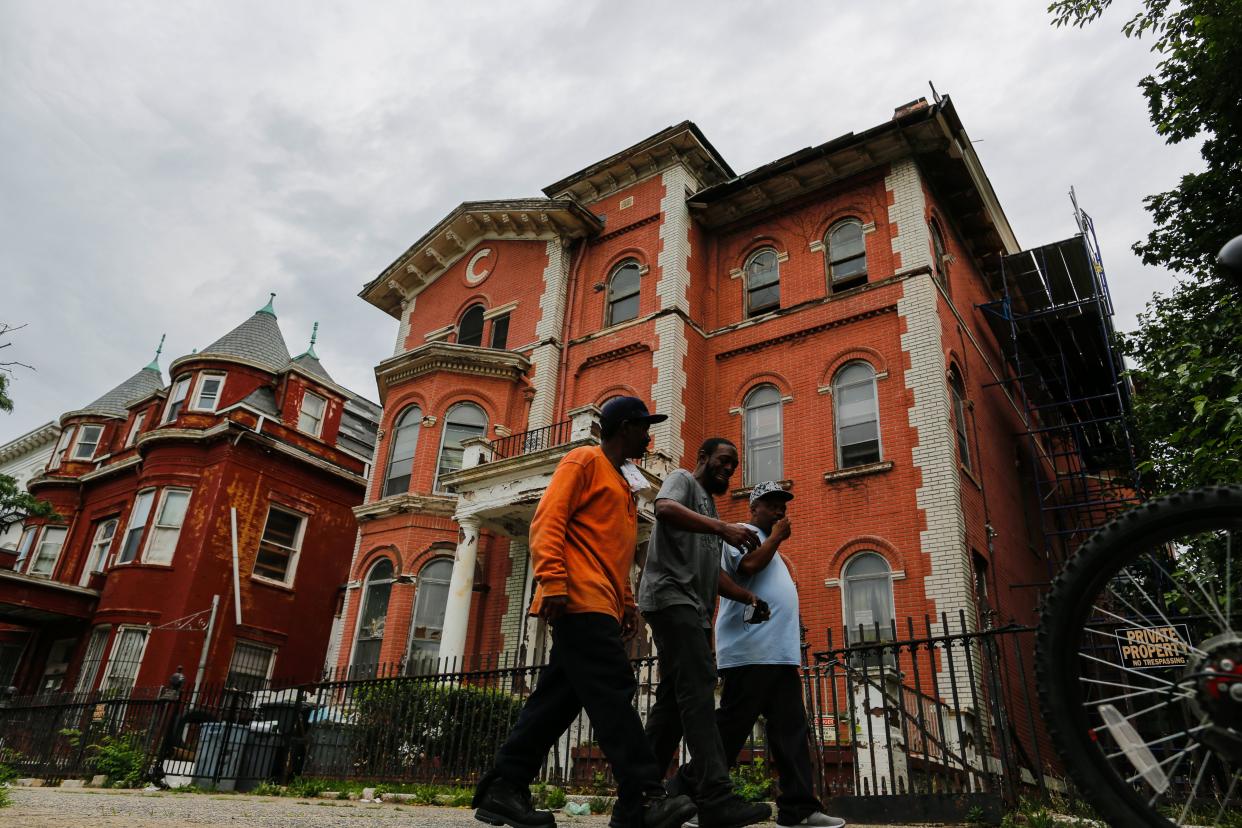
[[759, 664]]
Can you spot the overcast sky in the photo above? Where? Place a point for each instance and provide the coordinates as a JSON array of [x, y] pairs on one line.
[[163, 166]]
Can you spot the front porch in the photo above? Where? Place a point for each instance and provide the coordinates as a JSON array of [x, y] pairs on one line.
[[497, 489]]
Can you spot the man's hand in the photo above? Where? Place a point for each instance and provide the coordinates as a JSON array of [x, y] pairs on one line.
[[553, 607], [781, 530], [739, 536], [762, 611], [630, 623]]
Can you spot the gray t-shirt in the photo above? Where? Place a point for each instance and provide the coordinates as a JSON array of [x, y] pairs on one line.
[[682, 567]]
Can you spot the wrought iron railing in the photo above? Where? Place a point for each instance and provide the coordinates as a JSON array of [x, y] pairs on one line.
[[537, 439]]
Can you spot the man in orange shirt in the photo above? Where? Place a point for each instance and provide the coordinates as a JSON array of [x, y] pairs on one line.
[[582, 544]]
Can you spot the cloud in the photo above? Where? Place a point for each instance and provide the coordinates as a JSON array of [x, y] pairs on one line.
[[166, 165]]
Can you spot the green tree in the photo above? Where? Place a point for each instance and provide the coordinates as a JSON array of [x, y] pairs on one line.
[[1188, 346], [15, 504]]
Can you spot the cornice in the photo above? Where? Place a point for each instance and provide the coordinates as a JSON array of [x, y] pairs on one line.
[[805, 332], [30, 441], [438, 505], [29, 580], [613, 355], [464, 478], [111, 468], [451, 357]]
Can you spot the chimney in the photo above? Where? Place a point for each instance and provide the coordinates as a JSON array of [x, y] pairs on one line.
[[909, 108]]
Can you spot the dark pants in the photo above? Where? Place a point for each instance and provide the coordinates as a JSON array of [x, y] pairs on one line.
[[773, 691], [686, 701], [588, 668]]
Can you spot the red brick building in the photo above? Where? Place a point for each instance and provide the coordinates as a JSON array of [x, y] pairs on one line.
[[118, 591], [822, 311]]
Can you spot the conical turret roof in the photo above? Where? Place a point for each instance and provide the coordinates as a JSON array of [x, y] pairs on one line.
[[115, 402], [256, 340]]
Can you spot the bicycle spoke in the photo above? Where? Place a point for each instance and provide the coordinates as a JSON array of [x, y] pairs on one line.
[[1168, 639], [1228, 795], [1195, 790], [1146, 710], [1130, 670]]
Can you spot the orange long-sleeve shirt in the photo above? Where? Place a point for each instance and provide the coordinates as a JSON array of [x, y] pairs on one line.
[[583, 537]]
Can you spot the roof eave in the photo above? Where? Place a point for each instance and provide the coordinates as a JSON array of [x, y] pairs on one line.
[[462, 229]]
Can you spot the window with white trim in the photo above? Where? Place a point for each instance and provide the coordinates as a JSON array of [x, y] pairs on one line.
[[167, 526], [857, 416], [499, 336], [207, 395], [87, 443], [847, 255], [310, 415], [867, 584], [136, 527], [58, 456], [763, 282], [940, 263], [135, 428], [24, 546], [463, 421], [279, 548], [401, 454], [92, 660], [176, 399], [48, 551], [430, 604], [121, 671], [623, 293], [372, 619], [97, 555], [250, 668], [763, 438]]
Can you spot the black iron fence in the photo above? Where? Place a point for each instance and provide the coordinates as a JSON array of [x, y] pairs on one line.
[[939, 721]]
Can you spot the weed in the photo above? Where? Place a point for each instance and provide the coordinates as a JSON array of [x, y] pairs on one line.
[[752, 782], [599, 805]]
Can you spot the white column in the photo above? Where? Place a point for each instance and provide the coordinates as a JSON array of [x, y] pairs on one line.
[[461, 587]]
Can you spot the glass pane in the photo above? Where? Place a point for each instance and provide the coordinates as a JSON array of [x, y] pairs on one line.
[[397, 485], [163, 544], [866, 565], [764, 421], [624, 282], [375, 611], [765, 299], [849, 268], [404, 445], [500, 331], [762, 270], [282, 528], [859, 433], [271, 562], [846, 241], [431, 604], [623, 310], [173, 511], [854, 373], [88, 441], [90, 662], [860, 454], [48, 551], [470, 329], [765, 464]]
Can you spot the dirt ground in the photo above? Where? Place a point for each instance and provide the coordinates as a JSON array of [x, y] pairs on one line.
[[87, 808]]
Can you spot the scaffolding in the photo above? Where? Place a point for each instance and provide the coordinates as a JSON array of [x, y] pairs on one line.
[[1054, 320]]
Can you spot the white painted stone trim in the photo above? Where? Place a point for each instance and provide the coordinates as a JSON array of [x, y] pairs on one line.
[[908, 214], [403, 330], [500, 310], [674, 259], [668, 390]]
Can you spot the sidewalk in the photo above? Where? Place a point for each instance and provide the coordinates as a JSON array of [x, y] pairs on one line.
[[88, 808]]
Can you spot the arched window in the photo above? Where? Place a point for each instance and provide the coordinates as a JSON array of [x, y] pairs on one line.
[[401, 454], [940, 265], [857, 415], [372, 616], [867, 586], [957, 394], [763, 436], [463, 421], [430, 601], [847, 255], [763, 283], [623, 293], [470, 328]]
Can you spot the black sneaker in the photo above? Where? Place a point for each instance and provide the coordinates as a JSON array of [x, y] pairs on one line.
[[503, 803], [734, 813], [667, 811]]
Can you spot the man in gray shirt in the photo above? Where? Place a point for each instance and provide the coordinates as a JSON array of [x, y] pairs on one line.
[[677, 595]]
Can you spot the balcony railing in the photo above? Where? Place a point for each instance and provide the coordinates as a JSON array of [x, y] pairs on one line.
[[528, 442]]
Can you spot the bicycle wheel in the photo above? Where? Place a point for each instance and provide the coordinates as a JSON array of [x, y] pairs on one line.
[[1139, 663]]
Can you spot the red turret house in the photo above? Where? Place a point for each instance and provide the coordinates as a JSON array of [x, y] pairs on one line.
[[156, 484]]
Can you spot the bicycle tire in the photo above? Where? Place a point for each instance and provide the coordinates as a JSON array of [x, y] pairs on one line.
[[1061, 631]]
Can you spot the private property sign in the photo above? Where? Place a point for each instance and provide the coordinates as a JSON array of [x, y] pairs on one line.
[[1146, 648]]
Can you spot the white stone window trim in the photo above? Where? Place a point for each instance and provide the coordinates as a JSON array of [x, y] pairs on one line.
[[500, 310], [100, 550], [295, 551], [176, 399], [303, 415], [440, 333], [155, 526], [895, 574], [135, 428], [199, 404], [827, 389], [82, 440]]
